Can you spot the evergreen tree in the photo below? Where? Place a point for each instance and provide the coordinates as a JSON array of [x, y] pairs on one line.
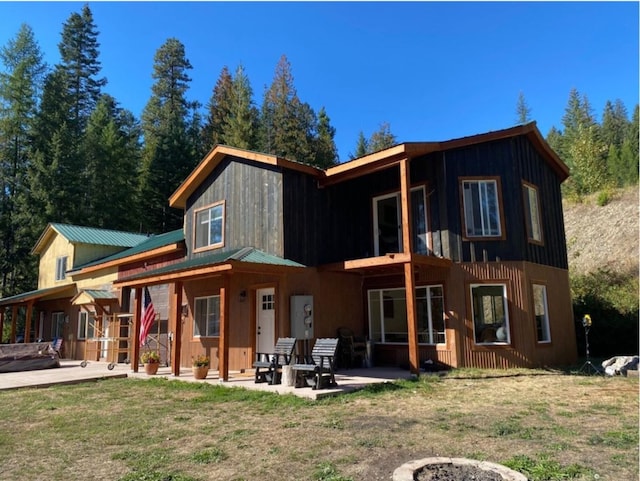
[[20, 83], [614, 123], [326, 151], [362, 147], [168, 125], [219, 108], [241, 122], [381, 139], [523, 112]]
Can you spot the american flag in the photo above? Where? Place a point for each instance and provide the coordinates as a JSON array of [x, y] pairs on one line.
[[148, 316]]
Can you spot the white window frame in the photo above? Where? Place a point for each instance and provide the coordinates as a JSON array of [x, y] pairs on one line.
[[204, 218], [532, 212], [86, 330], [61, 268], [477, 208], [541, 320], [212, 306], [492, 328], [429, 336]]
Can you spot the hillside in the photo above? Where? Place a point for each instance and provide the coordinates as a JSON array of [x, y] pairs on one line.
[[603, 236]]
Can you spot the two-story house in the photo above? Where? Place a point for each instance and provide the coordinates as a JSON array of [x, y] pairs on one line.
[[450, 251]]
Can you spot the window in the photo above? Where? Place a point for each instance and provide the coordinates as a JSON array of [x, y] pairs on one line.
[[490, 314], [209, 226], [206, 318], [86, 326], [61, 268], [57, 323], [481, 208], [541, 313], [387, 220], [532, 213], [388, 315]]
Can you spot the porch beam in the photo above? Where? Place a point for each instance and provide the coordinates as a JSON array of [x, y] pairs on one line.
[[223, 343], [27, 322], [175, 323], [405, 198], [14, 319], [412, 319], [137, 311]]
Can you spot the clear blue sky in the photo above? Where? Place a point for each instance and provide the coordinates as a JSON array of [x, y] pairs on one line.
[[433, 71]]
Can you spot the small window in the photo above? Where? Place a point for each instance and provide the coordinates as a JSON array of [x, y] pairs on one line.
[[481, 208], [206, 318], [57, 324], [61, 268], [209, 227], [490, 314], [532, 213], [541, 313], [86, 326]]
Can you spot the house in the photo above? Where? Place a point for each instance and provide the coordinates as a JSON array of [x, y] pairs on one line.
[[445, 251], [451, 252]]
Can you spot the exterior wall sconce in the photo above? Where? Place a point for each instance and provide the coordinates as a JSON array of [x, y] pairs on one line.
[[243, 295], [185, 311]]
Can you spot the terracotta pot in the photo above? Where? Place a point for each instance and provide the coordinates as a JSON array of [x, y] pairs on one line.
[[200, 372], [151, 367]]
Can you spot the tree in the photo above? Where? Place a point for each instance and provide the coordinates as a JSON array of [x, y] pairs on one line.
[[20, 83], [362, 147], [326, 151], [523, 111], [168, 125], [241, 121], [381, 138], [614, 123], [218, 108]]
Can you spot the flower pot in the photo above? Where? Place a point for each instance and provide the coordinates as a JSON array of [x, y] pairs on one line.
[[151, 367], [200, 372]]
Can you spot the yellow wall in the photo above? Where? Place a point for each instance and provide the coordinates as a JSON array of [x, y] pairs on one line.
[[59, 246]]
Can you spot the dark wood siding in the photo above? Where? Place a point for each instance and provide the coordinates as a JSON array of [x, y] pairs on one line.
[[253, 206]]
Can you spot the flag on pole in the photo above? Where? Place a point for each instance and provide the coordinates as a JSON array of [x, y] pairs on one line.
[[148, 316]]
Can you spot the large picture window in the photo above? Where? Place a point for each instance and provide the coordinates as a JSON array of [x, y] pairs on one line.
[[206, 318], [61, 268], [490, 314], [388, 315], [532, 213], [541, 313], [481, 207], [209, 227]]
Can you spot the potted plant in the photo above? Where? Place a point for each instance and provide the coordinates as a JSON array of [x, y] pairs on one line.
[[200, 366], [151, 361]]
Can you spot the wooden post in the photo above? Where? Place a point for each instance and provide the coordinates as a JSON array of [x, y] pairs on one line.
[[2, 309], [405, 205], [14, 319], [137, 311], [223, 346], [175, 323], [27, 322]]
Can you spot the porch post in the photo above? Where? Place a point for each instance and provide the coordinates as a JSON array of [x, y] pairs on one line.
[[14, 319], [175, 324], [223, 345], [409, 282], [27, 322], [2, 309], [137, 310]]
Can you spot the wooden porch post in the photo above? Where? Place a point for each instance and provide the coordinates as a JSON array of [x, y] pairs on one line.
[[137, 311], [2, 309], [223, 346], [176, 327], [409, 282], [27, 322], [14, 319]]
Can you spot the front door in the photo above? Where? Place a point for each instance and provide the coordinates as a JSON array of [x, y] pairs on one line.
[[265, 319]]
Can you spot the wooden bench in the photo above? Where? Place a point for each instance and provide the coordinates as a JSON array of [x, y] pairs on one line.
[[273, 361], [318, 371]]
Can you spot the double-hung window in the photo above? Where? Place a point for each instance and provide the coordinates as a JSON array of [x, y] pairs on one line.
[[541, 312], [532, 212], [490, 313], [61, 268], [206, 318], [481, 208], [86, 327], [209, 227], [57, 324]]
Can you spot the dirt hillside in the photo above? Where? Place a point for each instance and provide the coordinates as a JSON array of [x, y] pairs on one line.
[[603, 236]]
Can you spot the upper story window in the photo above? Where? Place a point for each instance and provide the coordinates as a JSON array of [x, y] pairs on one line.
[[61, 268], [481, 208], [532, 212], [209, 227]]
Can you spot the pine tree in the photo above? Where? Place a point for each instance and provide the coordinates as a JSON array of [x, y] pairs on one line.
[[20, 83], [168, 125], [614, 123], [523, 112], [362, 147], [218, 108], [241, 122], [326, 151], [381, 139]]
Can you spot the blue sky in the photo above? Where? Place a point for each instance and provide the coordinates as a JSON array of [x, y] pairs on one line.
[[433, 71]]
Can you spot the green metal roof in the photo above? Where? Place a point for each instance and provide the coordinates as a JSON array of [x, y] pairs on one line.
[[37, 294], [98, 293], [103, 237], [150, 243], [245, 254]]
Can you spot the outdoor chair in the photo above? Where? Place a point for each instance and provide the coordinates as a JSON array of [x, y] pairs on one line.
[[318, 370], [352, 350], [271, 363]]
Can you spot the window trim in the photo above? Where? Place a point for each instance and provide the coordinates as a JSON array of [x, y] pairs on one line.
[[222, 227], [501, 224], [61, 268], [84, 337], [505, 296], [195, 316], [528, 217], [547, 321], [54, 323]]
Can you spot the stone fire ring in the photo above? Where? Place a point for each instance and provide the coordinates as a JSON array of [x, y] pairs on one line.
[[407, 471]]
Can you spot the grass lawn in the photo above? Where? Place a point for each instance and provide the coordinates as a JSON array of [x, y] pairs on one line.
[[547, 425]]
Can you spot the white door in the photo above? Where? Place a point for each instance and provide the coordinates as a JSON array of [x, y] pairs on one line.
[[265, 319]]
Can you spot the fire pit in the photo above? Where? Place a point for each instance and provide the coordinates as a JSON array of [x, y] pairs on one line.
[[455, 469]]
